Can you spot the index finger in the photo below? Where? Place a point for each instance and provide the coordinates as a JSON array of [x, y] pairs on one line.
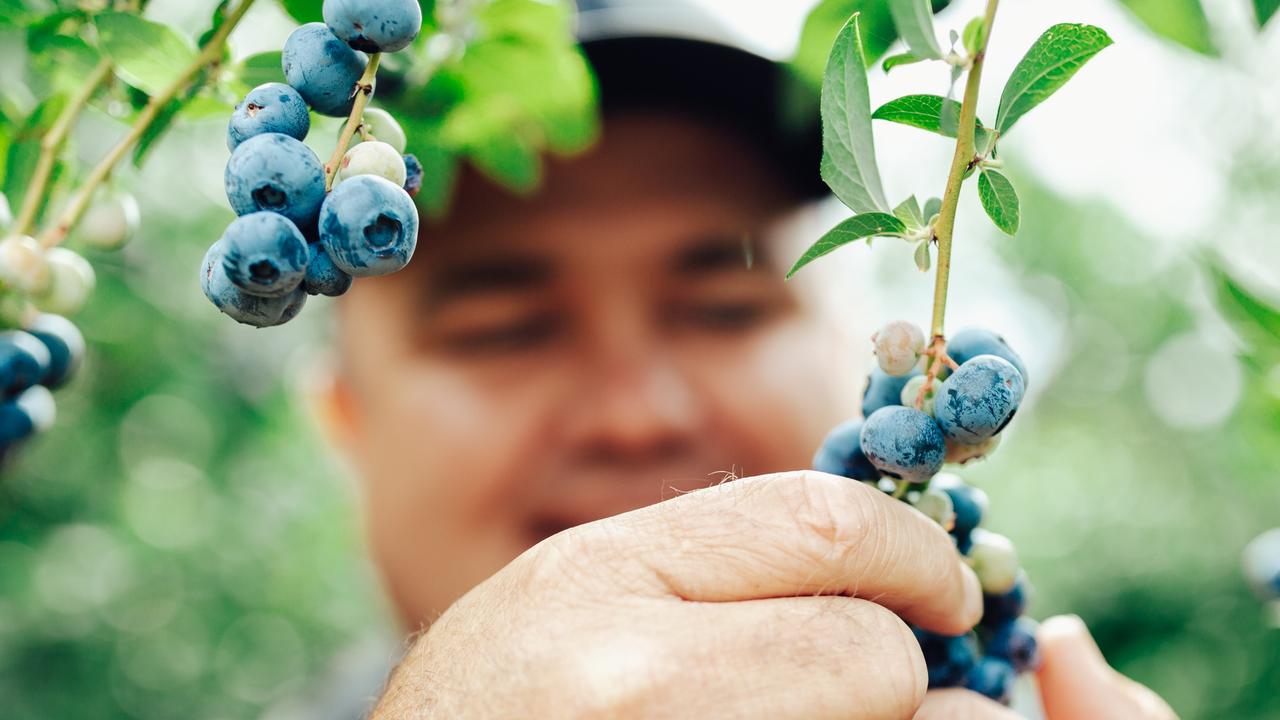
[[800, 533]]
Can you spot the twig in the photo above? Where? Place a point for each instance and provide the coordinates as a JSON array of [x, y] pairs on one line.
[[363, 91]]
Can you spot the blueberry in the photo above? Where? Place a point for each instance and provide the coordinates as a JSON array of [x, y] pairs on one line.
[[264, 254], [1015, 642], [30, 412], [979, 399], [994, 561], [911, 391], [24, 362], [71, 281], [373, 158], [992, 677], [413, 175], [972, 342], [23, 266], [841, 453], [239, 305], [66, 348], [949, 659], [323, 69], [959, 453], [374, 25], [323, 277], [369, 226], [269, 108], [277, 173], [898, 347], [904, 443], [970, 504], [380, 125], [937, 506], [998, 609], [110, 222], [884, 390]]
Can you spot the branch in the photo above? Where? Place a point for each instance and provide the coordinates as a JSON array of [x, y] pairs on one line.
[[363, 92], [209, 54]]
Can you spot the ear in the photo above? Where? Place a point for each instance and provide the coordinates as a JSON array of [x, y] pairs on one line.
[[331, 403]]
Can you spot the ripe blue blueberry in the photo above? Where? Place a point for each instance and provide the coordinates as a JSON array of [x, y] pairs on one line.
[[277, 173], [239, 305], [374, 25], [30, 412], [413, 175], [979, 399], [970, 503], [949, 659], [24, 362], [1006, 607], [369, 226], [884, 390], [264, 254], [972, 342], [841, 453], [1015, 642], [269, 108], [993, 677], [66, 348], [323, 277], [323, 69], [904, 443]]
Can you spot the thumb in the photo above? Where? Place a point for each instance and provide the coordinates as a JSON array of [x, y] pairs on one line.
[[1077, 683]]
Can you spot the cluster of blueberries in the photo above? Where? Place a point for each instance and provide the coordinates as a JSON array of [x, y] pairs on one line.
[[297, 234], [912, 426], [32, 363]]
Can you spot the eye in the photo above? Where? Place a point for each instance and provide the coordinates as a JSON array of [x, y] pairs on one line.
[[726, 315], [519, 335]]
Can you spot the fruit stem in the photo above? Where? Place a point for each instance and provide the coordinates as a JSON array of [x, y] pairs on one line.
[[52, 143], [363, 93], [944, 228], [210, 54]]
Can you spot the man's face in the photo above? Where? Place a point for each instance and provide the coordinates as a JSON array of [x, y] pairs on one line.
[[549, 361]]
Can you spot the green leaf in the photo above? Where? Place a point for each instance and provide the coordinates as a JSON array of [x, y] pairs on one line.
[[304, 11], [909, 213], [824, 23], [848, 149], [894, 61], [928, 112], [24, 149], [855, 228], [1048, 65], [999, 200], [258, 69], [914, 21], [924, 260], [1182, 21], [972, 37], [1257, 320], [1265, 9], [509, 161], [147, 55], [932, 207]]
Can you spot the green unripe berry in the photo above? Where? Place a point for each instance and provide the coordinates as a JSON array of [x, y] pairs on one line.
[[912, 389], [937, 506], [23, 267], [962, 454], [898, 347], [383, 127], [994, 561], [373, 158], [71, 281], [109, 223]]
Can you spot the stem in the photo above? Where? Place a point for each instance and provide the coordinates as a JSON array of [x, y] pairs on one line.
[[209, 54], [960, 164], [363, 93], [52, 143]]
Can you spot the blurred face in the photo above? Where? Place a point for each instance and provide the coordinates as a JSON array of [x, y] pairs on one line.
[[545, 362]]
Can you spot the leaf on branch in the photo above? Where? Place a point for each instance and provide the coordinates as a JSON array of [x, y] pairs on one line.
[[909, 213], [823, 24], [1000, 201], [1182, 21], [147, 55], [1265, 9], [1048, 65], [914, 21], [932, 207], [304, 11], [928, 112], [894, 61], [924, 260], [848, 149], [258, 69], [1257, 320], [973, 36], [855, 228]]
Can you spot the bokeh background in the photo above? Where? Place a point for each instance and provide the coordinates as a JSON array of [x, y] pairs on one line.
[[183, 544]]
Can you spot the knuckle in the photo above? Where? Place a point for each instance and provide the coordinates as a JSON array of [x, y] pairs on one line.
[[902, 678], [836, 515]]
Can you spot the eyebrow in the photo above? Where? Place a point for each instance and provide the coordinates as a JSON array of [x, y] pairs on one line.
[[715, 254], [481, 276]]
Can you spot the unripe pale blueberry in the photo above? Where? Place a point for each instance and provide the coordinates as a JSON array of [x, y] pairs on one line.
[[937, 506], [841, 453], [269, 108], [22, 264], [992, 677], [374, 25], [1001, 608], [959, 453], [65, 345], [912, 390], [276, 173], [972, 342], [898, 347], [373, 158], [323, 277], [383, 127], [883, 390], [1262, 564], [994, 561], [71, 281], [413, 175], [948, 658], [979, 399], [264, 254], [904, 443], [239, 305], [322, 68], [110, 222], [31, 412], [1015, 642], [24, 362], [369, 226]]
